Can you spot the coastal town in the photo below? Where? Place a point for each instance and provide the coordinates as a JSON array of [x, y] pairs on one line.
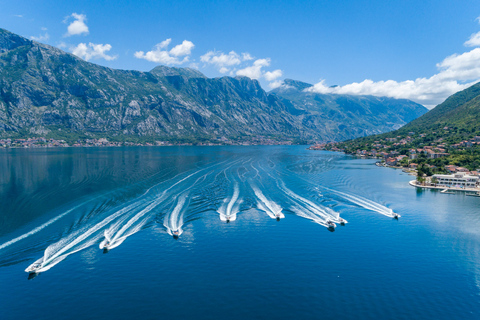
[[438, 164]]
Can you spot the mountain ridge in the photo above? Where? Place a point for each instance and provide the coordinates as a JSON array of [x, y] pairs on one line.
[[46, 91]]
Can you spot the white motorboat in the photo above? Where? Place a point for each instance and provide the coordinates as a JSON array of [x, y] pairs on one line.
[[396, 216], [35, 267], [106, 243], [331, 225], [342, 221]]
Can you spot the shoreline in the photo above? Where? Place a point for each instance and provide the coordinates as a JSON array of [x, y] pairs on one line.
[[413, 183]]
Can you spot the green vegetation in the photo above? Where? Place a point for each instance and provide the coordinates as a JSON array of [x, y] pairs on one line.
[[451, 131]]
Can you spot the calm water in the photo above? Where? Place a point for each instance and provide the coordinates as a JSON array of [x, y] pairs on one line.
[[58, 205]]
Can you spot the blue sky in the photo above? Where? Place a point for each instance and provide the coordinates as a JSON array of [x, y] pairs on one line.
[[404, 49]]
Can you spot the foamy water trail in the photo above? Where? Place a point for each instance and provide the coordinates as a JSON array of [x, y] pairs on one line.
[[307, 209], [174, 220], [37, 229], [365, 203], [231, 206], [65, 247], [132, 226], [270, 207], [46, 224]]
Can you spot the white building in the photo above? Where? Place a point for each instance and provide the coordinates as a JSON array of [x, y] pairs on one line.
[[459, 180]]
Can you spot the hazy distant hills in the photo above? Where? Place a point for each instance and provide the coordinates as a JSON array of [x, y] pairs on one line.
[[47, 92], [341, 117], [454, 120]]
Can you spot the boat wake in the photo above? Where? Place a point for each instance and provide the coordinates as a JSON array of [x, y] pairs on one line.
[[225, 188], [231, 205], [366, 203], [270, 207]]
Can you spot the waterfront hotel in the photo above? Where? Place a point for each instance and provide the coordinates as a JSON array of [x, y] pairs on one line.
[[459, 180]]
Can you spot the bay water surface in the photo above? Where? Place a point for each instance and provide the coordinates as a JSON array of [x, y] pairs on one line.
[[253, 239]]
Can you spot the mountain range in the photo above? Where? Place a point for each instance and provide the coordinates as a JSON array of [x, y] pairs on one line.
[[45, 91]]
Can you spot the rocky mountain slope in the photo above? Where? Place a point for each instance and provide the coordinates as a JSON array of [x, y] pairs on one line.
[[47, 92], [340, 117]]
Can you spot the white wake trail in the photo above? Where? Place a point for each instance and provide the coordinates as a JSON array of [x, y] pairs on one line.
[[365, 203], [37, 229], [307, 209], [273, 210], [53, 256], [231, 206]]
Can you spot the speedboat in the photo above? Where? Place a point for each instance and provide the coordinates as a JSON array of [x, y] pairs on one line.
[[343, 221], [227, 218], [105, 245], [396, 216], [34, 267], [175, 234], [331, 225]]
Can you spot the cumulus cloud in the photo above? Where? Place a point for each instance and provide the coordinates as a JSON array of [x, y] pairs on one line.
[[225, 62], [77, 26], [474, 40], [254, 71], [275, 84], [93, 51], [273, 75], [183, 49], [161, 54], [41, 37], [455, 73]]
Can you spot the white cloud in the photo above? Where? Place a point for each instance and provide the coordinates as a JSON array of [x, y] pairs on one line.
[[62, 45], [18, 15], [160, 53], [228, 64], [254, 71], [41, 37], [93, 51], [456, 72], [194, 65], [224, 62], [270, 76], [246, 56], [183, 49], [474, 40], [77, 26], [275, 84]]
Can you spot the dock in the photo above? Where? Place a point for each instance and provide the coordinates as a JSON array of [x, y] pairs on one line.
[[448, 190]]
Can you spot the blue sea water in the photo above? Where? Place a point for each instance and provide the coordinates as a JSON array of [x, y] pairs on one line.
[[57, 205]]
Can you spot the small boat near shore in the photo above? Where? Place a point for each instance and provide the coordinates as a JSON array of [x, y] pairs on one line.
[[446, 191], [477, 194]]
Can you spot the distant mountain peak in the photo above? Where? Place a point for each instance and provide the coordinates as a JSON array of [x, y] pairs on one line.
[[172, 71], [299, 85]]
